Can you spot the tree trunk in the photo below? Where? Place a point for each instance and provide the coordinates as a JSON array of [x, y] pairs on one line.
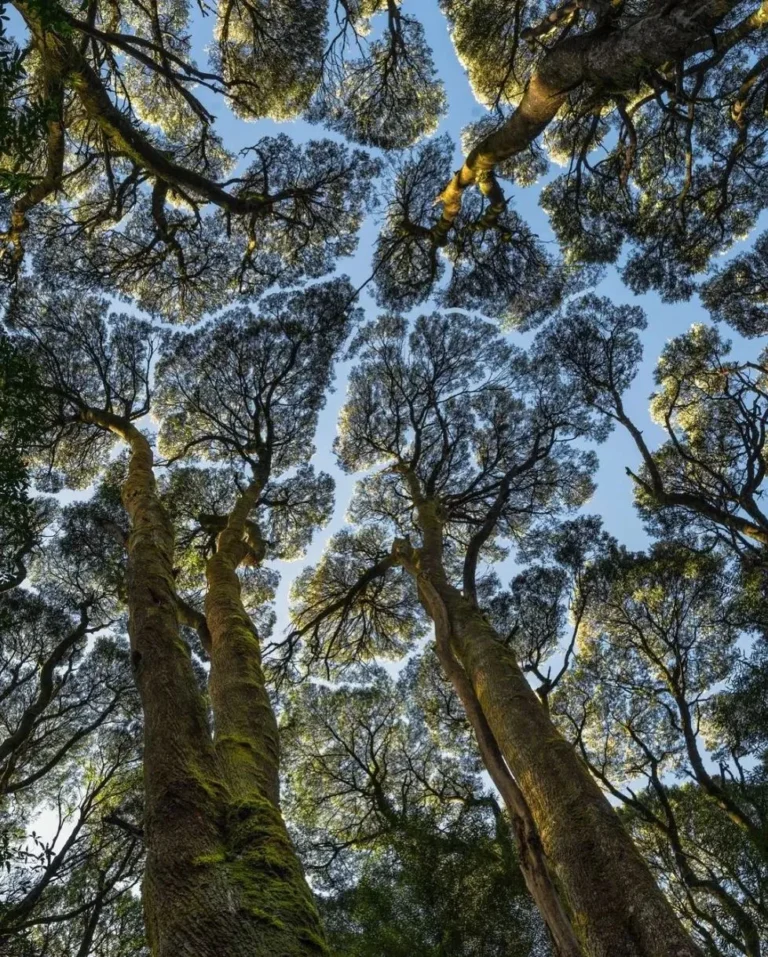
[[186, 902], [531, 857], [616, 906], [257, 847], [221, 878]]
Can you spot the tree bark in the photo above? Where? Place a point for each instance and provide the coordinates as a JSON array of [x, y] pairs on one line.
[[215, 882], [531, 857], [616, 906], [257, 843], [186, 902]]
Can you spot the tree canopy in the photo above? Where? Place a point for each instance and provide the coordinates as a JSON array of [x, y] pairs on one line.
[[356, 598]]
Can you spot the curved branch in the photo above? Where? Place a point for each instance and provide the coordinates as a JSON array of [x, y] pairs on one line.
[[47, 688], [614, 60]]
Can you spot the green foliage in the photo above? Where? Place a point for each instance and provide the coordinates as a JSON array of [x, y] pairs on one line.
[[389, 96], [707, 477], [20, 425], [114, 181], [88, 361], [434, 892], [657, 696], [269, 54], [413, 856], [738, 292], [496, 264], [185, 262], [252, 384], [22, 120], [447, 416], [69, 758]]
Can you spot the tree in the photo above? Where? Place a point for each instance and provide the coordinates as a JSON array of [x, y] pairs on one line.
[[477, 441], [69, 760], [389, 94], [713, 409], [413, 855], [499, 267], [114, 180], [675, 92], [659, 638], [671, 89], [738, 293], [220, 869], [712, 873], [150, 205]]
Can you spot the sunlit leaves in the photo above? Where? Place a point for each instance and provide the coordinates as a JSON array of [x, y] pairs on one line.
[[486, 35], [495, 263], [658, 634], [738, 292], [351, 606], [383, 92], [181, 260], [714, 411], [269, 54], [543, 611]]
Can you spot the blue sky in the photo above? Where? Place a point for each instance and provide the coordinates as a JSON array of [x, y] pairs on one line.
[[613, 497]]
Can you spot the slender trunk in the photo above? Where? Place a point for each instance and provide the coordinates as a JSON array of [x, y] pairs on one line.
[[616, 905], [718, 794], [256, 846], [531, 857]]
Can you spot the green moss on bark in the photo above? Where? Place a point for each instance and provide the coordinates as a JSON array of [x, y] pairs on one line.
[[257, 861]]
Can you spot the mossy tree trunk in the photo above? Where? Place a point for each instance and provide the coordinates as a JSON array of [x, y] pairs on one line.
[[530, 853], [615, 905], [258, 850], [221, 878]]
